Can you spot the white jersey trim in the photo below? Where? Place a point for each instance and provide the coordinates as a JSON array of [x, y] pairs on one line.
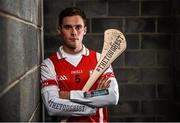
[[72, 59], [101, 116], [62, 54]]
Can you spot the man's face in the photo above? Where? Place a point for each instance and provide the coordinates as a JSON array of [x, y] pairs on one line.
[[73, 30]]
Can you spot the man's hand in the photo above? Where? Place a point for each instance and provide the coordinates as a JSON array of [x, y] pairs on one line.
[[103, 83], [64, 94]]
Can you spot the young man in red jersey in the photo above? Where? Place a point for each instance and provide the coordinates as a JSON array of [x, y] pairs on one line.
[[64, 74]]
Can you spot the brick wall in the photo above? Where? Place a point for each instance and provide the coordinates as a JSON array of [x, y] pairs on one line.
[[21, 54], [148, 71]]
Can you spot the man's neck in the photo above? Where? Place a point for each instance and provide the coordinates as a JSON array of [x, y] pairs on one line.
[[72, 50]]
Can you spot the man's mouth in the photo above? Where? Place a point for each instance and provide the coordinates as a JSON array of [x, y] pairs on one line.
[[73, 39]]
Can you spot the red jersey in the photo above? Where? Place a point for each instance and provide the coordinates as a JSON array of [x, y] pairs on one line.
[[70, 77], [74, 78]]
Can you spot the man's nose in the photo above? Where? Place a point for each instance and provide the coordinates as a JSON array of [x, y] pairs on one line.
[[74, 31]]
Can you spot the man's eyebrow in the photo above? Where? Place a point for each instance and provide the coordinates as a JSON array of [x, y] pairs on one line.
[[67, 25], [72, 25]]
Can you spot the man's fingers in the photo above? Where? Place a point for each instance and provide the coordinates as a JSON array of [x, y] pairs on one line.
[[103, 83], [100, 82], [107, 84]]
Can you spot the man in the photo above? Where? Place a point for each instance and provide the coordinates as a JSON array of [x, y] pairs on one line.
[[64, 74]]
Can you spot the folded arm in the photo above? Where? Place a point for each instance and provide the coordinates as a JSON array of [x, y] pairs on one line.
[[63, 107], [55, 105], [99, 97], [107, 92]]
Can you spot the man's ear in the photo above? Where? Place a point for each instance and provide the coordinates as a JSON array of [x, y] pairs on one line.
[[59, 30], [85, 30]]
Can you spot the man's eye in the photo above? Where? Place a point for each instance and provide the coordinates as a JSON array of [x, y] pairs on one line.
[[67, 27], [78, 27]]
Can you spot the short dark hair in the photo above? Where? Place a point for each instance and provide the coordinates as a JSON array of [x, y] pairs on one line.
[[71, 11]]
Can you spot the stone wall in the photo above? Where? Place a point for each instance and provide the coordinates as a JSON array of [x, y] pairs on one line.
[[21, 43]]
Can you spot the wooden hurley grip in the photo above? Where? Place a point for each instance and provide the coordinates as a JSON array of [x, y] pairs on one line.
[[114, 45]]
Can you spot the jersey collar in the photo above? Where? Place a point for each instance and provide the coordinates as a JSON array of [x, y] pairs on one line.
[[61, 54]]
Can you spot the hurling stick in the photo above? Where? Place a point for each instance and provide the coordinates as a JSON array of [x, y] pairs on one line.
[[114, 45]]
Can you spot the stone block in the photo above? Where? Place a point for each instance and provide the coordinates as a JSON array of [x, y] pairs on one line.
[[9, 7], [55, 7], [140, 58], [132, 41], [31, 46], [93, 8], [19, 103], [36, 12], [123, 8], [156, 8], [51, 13], [156, 41], [119, 61], [165, 58], [166, 25], [10, 105], [26, 9], [52, 42], [140, 24], [29, 95], [94, 42], [20, 47], [125, 108], [50, 25], [165, 91], [99, 25], [126, 75], [13, 44], [138, 91], [158, 75], [48, 53], [157, 107]]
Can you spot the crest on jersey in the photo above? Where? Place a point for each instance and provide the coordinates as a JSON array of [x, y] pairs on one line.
[[61, 77], [90, 72]]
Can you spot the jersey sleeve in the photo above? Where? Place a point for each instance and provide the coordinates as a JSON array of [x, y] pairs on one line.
[[48, 75], [50, 95], [101, 97]]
